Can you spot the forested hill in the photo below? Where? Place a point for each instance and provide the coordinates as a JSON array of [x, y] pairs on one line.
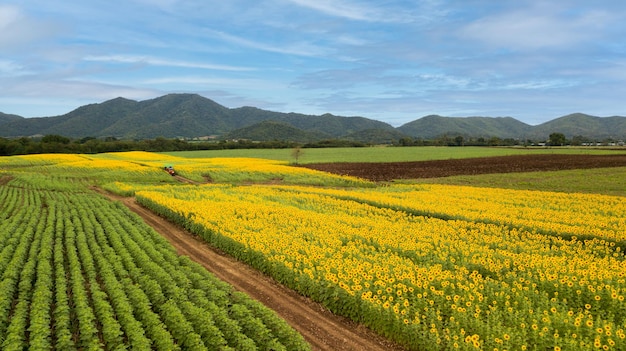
[[174, 115], [191, 116]]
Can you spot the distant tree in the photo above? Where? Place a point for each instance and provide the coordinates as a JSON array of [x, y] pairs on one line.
[[86, 139], [494, 141], [557, 139], [580, 140], [53, 138], [296, 153], [458, 141], [406, 141]]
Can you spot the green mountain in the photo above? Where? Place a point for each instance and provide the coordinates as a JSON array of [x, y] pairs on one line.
[[191, 115], [376, 136], [5, 118], [333, 126], [434, 126], [580, 124], [272, 130], [174, 115]]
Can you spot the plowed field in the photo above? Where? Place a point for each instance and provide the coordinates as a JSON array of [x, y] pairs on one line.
[[387, 171]]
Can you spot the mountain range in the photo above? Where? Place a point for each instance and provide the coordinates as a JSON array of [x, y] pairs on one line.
[[194, 116]]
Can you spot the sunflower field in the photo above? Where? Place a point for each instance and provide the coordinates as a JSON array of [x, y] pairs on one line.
[[432, 267]]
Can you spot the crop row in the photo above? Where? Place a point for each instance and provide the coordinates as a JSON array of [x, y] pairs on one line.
[[584, 216], [429, 283], [78, 272]]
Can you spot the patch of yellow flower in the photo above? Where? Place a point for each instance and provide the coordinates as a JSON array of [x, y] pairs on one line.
[[405, 274], [577, 214], [42, 159], [242, 169]]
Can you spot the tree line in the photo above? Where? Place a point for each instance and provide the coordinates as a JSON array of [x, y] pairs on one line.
[[90, 145], [554, 139]]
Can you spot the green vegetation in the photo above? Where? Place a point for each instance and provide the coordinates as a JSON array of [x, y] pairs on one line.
[[387, 154], [272, 130], [190, 116], [608, 181], [54, 144], [433, 126], [79, 272], [173, 116]]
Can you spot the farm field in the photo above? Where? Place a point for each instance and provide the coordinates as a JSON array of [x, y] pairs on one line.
[[391, 154], [608, 181], [429, 266], [79, 272]]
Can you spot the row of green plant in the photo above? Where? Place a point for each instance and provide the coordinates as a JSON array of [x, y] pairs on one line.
[[607, 181], [78, 272]]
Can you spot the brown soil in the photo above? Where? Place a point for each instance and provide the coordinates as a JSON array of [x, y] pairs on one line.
[[5, 179], [185, 180], [387, 171], [322, 329]]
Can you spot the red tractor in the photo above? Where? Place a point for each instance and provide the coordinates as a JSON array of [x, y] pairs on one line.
[[170, 170]]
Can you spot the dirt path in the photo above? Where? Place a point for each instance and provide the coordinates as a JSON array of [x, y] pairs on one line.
[[322, 329]]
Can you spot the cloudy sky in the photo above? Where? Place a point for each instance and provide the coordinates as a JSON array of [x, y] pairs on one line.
[[389, 60]]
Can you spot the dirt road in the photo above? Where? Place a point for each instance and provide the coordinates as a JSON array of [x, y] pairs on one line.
[[322, 329]]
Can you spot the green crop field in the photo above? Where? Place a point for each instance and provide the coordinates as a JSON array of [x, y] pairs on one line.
[[79, 272], [609, 181], [387, 154]]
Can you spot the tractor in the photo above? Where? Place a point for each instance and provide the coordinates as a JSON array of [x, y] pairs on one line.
[[170, 170]]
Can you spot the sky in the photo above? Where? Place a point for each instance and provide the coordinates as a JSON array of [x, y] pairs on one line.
[[390, 60]]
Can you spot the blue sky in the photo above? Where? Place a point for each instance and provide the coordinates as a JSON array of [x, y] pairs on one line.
[[389, 60]]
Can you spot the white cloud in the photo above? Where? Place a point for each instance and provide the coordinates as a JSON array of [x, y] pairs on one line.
[[354, 11], [537, 28], [298, 49], [76, 89], [164, 4], [347, 39], [19, 30], [231, 83], [11, 69], [9, 16], [339, 9], [133, 59]]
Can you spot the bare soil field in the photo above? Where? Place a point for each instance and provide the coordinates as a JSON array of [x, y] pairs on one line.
[[387, 171], [321, 328]]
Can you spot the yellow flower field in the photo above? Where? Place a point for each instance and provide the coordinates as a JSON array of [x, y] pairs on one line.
[[434, 267], [427, 282], [580, 215]]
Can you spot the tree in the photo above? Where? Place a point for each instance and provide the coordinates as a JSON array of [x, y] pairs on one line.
[[296, 152], [53, 138], [406, 141], [494, 141], [458, 141], [557, 139], [580, 140]]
